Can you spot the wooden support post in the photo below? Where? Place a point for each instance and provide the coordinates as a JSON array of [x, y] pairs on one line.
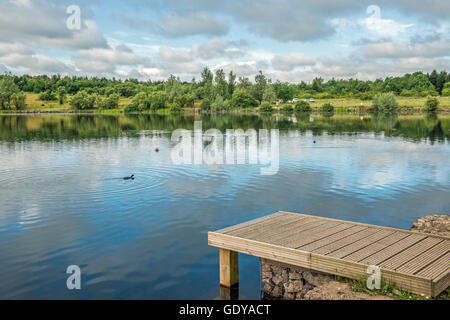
[[229, 268], [231, 293]]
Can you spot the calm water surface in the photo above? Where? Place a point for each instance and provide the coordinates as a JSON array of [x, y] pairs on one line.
[[63, 202]]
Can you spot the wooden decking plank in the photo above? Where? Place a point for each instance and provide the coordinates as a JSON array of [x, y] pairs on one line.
[[423, 260], [365, 225], [410, 253], [331, 238], [272, 227], [375, 247], [360, 244], [292, 229], [289, 241], [262, 224], [386, 253], [441, 283], [319, 235], [327, 249], [246, 223], [436, 268]]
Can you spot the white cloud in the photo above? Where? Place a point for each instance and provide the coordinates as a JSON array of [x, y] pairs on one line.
[[178, 24], [289, 61], [169, 54], [44, 24], [389, 49], [106, 60], [216, 48], [35, 63], [192, 23]]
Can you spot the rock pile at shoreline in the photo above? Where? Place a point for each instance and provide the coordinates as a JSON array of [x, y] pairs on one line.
[[433, 224]]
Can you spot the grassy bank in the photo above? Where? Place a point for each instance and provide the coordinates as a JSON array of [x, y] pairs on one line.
[[407, 104]]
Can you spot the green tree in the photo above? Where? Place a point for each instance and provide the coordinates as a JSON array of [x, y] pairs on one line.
[[283, 91], [47, 95], [158, 100], [18, 100], [82, 100], [244, 84], [205, 105], [243, 99], [260, 86], [173, 88], [221, 83], [62, 93], [220, 104], [207, 76], [231, 84], [209, 91], [189, 99], [110, 102], [7, 89], [440, 81], [127, 89], [317, 84], [269, 95]]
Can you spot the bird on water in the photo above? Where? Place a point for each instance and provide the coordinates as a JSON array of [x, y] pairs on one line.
[[129, 178]]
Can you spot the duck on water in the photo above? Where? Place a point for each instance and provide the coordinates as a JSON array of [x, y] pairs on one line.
[[129, 178]]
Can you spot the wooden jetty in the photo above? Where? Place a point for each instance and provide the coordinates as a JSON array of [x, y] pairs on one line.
[[416, 262]]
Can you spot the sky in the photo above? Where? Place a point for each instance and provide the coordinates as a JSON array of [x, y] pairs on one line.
[[288, 40]]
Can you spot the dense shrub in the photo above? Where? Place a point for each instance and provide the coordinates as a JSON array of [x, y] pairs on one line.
[[205, 105], [158, 100], [408, 93], [82, 100], [324, 95], [18, 100], [110, 102], [141, 102], [185, 100], [446, 92], [366, 96], [328, 108], [175, 108], [287, 108], [432, 104], [131, 108], [302, 106], [47, 96], [384, 103], [266, 107], [220, 104], [243, 99]]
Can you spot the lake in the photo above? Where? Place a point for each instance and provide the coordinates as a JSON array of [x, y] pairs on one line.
[[63, 200]]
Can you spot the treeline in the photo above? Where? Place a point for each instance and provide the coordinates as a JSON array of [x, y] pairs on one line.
[[214, 91]]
